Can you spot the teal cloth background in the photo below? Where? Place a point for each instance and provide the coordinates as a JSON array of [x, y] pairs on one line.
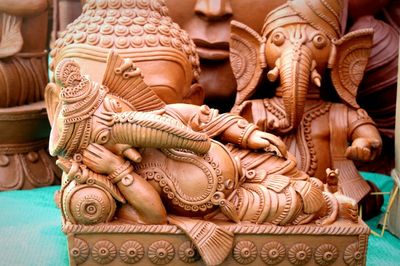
[[30, 229]]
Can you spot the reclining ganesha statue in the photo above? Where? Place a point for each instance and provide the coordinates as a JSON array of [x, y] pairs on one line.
[[118, 142]]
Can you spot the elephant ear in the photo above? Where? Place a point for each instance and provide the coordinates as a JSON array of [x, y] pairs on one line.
[[350, 58], [124, 79], [247, 60]]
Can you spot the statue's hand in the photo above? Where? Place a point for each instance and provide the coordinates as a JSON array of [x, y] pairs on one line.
[[269, 142], [364, 149], [127, 151], [101, 160]]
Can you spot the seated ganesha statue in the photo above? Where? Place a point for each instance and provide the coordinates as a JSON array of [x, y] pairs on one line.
[[120, 145]]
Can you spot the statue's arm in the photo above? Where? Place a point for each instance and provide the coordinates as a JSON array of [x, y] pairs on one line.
[[229, 128], [366, 142], [23, 7]]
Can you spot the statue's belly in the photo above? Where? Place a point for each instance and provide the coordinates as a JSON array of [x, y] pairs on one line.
[[189, 183], [310, 144]]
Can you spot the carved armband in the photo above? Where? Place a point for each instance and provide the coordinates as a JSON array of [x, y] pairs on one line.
[[362, 118], [121, 172], [247, 129], [203, 117]]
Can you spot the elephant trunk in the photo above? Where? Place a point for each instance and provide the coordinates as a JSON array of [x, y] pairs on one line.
[[295, 70], [150, 130]]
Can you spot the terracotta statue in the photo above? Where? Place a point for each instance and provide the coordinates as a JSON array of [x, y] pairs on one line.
[[173, 192], [24, 162], [141, 30], [118, 142], [302, 51]]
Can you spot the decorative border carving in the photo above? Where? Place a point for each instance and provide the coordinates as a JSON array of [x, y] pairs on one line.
[[337, 228], [347, 247]]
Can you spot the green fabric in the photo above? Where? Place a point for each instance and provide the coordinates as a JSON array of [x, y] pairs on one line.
[[30, 229]]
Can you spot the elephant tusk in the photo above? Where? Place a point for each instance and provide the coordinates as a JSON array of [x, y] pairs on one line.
[[273, 74], [315, 76]]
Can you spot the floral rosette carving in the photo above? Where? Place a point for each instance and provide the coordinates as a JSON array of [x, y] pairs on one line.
[[353, 255], [326, 254], [104, 252], [161, 252], [245, 252], [273, 253], [299, 254], [188, 253], [131, 252], [80, 251]]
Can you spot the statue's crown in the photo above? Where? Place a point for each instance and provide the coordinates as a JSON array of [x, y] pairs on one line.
[[324, 15]]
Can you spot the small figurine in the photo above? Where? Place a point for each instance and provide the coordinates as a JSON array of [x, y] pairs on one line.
[[302, 50]]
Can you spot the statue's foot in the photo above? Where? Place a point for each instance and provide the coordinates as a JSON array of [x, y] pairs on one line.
[[332, 207], [348, 208]]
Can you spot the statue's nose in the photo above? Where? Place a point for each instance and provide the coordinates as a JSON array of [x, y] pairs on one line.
[[214, 9]]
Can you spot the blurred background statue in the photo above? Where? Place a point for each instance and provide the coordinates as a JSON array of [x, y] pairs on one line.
[[24, 162]]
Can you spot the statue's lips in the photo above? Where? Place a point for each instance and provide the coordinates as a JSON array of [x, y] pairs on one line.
[[215, 51]]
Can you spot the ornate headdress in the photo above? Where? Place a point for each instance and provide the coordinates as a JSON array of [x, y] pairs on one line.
[[324, 15]]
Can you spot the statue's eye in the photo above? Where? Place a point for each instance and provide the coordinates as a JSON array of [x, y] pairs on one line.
[[319, 41], [278, 38]]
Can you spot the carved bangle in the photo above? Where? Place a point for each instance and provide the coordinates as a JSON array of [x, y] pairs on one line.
[[123, 170], [244, 135]]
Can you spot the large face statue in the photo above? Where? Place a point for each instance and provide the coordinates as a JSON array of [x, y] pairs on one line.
[[141, 31], [208, 24]]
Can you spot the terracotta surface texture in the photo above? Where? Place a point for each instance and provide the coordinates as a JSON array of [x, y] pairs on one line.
[[342, 244]]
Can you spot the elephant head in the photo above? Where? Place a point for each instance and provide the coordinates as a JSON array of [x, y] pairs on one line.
[[297, 46], [82, 112]]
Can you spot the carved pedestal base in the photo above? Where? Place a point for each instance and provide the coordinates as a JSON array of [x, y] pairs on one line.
[[341, 243], [24, 161]]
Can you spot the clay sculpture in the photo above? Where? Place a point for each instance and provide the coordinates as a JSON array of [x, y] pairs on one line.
[[302, 51], [153, 183], [117, 142]]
